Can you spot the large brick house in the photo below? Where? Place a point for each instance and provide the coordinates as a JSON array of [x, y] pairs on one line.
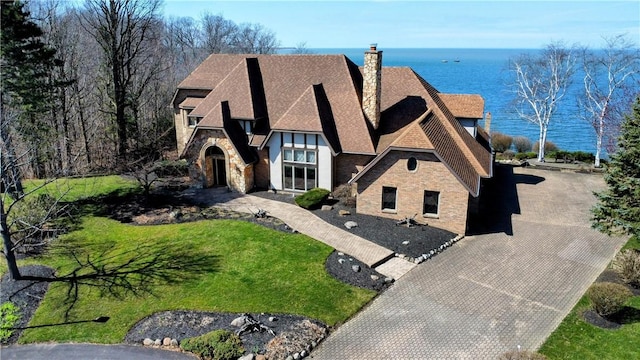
[[295, 122]]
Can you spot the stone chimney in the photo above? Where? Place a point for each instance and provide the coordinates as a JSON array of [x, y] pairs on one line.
[[487, 123], [371, 89]]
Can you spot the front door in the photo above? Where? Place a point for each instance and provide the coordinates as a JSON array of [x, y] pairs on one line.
[[215, 167]]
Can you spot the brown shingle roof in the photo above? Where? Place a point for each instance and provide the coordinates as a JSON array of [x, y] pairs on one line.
[[284, 79], [464, 105], [190, 102], [322, 93]]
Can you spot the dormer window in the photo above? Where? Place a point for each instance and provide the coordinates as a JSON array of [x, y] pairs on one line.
[[193, 120], [247, 126]]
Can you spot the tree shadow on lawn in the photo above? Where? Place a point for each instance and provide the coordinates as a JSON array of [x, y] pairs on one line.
[[499, 201], [117, 273]]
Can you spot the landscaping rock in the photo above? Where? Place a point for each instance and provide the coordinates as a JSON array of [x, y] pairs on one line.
[[350, 224], [166, 341], [273, 318], [405, 243], [326, 208], [240, 321], [344, 212], [249, 356], [174, 342], [355, 268], [147, 342], [341, 260], [157, 342], [375, 277]]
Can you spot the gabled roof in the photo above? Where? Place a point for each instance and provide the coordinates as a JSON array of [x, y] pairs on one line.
[[322, 94], [283, 80]]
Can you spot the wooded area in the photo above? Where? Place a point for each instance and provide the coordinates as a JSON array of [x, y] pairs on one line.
[[87, 89]]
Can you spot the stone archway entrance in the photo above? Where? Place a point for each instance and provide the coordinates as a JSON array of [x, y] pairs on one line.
[[215, 167]]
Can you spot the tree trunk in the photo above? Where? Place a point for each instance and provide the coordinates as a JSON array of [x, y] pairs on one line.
[[7, 245], [541, 140]]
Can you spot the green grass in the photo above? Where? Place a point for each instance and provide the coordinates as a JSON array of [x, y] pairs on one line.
[[577, 339], [73, 189], [258, 270]]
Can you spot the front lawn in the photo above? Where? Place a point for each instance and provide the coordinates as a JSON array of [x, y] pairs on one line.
[[577, 339], [255, 270]]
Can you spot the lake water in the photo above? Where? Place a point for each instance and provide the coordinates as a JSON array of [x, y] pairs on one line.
[[484, 72]]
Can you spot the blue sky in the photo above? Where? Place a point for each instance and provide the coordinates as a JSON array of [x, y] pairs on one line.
[[427, 24]]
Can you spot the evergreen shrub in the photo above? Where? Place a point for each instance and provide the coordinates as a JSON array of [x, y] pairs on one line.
[[215, 345], [608, 298], [313, 198], [527, 155]]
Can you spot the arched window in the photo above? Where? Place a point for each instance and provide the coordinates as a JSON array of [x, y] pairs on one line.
[[412, 164]]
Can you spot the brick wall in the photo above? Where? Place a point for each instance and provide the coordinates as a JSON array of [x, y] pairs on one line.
[[430, 174], [261, 169], [347, 165]]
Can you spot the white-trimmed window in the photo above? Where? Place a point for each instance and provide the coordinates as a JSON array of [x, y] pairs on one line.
[[247, 126], [389, 198], [431, 203], [193, 120], [300, 167]]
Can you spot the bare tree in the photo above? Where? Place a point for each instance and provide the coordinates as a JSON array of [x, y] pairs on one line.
[[217, 34], [123, 29], [254, 39], [608, 73], [541, 81]]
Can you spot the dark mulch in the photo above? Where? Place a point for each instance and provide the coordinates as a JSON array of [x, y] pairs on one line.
[[341, 266], [382, 231], [610, 275], [183, 324], [626, 315], [25, 294], [595, 319]]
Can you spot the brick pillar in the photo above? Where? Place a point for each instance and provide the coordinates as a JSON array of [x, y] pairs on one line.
[[371, 89]]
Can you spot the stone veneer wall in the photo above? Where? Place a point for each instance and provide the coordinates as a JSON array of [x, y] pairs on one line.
[[430, 174], [371, 89], [183, 131], [240, 176]]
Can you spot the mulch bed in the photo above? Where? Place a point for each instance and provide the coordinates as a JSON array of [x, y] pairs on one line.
[[624, 316], [25, 294], [410, 241], [182, 324]]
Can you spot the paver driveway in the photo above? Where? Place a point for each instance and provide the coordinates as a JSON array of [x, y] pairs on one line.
[[492, 291]]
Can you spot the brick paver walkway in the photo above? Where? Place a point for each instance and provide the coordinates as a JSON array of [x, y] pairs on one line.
[[489, 293], [307, 223]]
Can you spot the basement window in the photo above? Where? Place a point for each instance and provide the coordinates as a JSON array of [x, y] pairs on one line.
[[389, 199]]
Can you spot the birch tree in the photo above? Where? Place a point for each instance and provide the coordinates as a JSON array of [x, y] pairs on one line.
[[608, 73], [541, 81]]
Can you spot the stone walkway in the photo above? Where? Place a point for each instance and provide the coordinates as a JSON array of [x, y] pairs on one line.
[[493, 292], [305, 222]]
